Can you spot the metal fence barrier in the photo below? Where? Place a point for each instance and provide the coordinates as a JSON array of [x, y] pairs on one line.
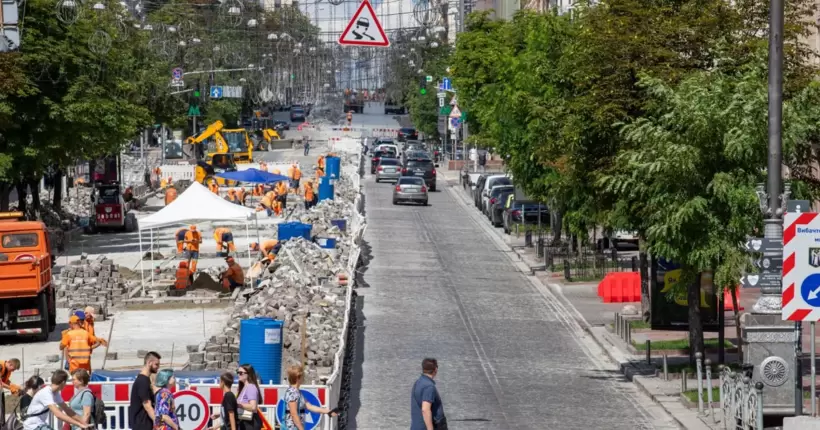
[[741, 401]]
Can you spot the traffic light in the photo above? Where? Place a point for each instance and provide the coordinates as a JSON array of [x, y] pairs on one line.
[[423, 86], [197, 94]]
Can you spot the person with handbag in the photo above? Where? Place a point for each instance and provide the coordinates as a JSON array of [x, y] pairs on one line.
[[250, 397], [426, 408], [294, 420]]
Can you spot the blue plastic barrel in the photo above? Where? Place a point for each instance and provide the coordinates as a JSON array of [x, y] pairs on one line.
[[326, 190], [289, 230], [333, 167], [341, 224], [303, 230], [326, 242], [260, 345]]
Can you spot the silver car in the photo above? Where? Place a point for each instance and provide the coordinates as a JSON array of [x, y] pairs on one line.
[[389, 169], [410, 189]]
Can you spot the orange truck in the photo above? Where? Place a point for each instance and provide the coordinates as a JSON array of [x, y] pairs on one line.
[[27, 293]]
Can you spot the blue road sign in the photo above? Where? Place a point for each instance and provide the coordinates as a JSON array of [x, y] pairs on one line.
[[176, 73], [310, 420], [455, 122], [446, 84], [810, 290], [216, 92]]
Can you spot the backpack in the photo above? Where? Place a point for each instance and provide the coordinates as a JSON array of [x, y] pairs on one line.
[[97, 409]]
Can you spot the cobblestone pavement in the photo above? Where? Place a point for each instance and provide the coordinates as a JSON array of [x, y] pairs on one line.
[[510, 355]]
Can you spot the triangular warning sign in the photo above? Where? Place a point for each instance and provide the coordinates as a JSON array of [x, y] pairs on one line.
[[364, 29]]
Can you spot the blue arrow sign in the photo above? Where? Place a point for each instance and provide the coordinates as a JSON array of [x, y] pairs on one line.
[[446, 84], [310, 419], [216, 92]]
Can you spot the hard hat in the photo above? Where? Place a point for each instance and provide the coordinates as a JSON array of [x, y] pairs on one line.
[[193, 227], [79, 314], [74, 319], [89, 311]]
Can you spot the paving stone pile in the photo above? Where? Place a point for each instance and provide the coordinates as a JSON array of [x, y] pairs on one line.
[[96, 282]]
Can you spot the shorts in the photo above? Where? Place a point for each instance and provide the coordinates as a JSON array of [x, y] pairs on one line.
[[192, 255], [227, 237], [294, 183]]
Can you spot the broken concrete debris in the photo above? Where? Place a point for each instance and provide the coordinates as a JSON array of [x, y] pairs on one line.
[[96, 282]]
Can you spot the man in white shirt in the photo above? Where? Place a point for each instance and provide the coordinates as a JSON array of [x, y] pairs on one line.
[[47, 402]]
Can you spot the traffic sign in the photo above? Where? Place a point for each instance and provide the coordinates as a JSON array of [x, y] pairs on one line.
[[232, 92], [770, 264], [801, 255], [455, 122], [446, 85], [762, 244], [266, 95], [441, 95], [760, 280], [440, 102], [429, 79], [176, 73], [216, 92], [192, 410], [310, 419], [455, 113], [177, 83], [193, 110], [364, 28]]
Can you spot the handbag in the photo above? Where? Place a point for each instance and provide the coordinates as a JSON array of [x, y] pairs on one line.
[[245, 415]]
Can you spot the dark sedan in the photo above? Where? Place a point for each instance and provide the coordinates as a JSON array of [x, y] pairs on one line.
[[377, 156], [497, 207], [523, 212]]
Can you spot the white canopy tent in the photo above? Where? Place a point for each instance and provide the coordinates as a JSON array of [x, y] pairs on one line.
[[196, 204]]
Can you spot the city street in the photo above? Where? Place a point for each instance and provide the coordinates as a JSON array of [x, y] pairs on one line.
[[510, 355]]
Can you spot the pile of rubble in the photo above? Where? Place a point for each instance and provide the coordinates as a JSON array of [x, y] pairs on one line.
[[95, 282]]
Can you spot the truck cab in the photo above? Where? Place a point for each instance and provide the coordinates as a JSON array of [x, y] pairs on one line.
[[27, 293]]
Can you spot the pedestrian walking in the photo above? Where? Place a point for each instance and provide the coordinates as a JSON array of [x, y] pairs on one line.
[[48, 402], [426, 409], [250, 397], [78, 343], [229, 412], [297, 406], [82, 402], [141, 411], [306, 145], [165, 415], [482, 161]]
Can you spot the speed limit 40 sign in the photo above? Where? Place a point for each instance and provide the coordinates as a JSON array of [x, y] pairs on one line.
[[191, 409]]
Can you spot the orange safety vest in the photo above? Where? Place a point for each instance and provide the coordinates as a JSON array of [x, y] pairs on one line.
[[78, 344], [281, 188], [321, 162], [5, 374], [297, 174], [240, 196], [266, 200], [193, 238], [183, 276], [309, 192], [259, 190], [170, 195], [89, 326]]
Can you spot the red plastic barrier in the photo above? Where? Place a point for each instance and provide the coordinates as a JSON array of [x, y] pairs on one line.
[[727, 300], [620, 287]]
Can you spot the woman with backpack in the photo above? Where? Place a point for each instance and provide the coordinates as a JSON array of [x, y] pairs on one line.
[[82, 403], [47, 402]]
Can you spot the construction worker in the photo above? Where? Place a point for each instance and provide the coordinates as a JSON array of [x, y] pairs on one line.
[[184, 276], [266, 203], [349, 118], [263, 166], [214, 187], [233, 277], [78, 343], [310, 195], [224, 237], [320, 162], [240, 197], [295, 176], [231, 196], [170, 195], [259, 190], [6, 369], [268, 246], [180, 238], [320, 173], [282, 193], [192, 241], [128, 194], [276, 172], [88, 324]]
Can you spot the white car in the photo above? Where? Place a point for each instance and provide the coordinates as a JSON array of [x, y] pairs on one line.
[[491, 182], [384, 147]]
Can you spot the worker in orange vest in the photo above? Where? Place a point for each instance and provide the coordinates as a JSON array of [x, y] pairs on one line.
[[310, 195], [240, 197], [88, 323], [295, 175], [180, 238], [192, 241], [320, 162], [170, 195], [184, 276], [231, 196], [263, 166], [224, 237], [320, 173], [78, 344], [6, 369], [214, 187], [282, 193], [266, 203], [233, 277], [259, 190]]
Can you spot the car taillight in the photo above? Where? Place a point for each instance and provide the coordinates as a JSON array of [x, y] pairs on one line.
[[404, 170], [492, 201], [423, 189], [398, 188], [376, 159], [380, 169], [516, 213], [434, 172]]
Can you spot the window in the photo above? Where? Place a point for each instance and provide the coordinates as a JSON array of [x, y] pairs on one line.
[[20, 240], [419, 163], [236, 142], [410, 180], [389, 162], [109, 196]]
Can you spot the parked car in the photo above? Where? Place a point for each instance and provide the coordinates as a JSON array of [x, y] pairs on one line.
[[377, 156], [493, 197], [422, 168], [407, 133], [497, 205], [297, 114], [388, 169], [525, 212], [410, 189], [283, 124], [492, 181]]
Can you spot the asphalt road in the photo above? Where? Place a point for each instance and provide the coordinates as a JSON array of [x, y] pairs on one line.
[[510, 355]]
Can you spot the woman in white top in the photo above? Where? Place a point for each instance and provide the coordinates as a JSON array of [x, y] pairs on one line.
[[47, 402]]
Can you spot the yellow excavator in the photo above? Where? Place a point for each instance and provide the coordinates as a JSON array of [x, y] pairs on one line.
[[268, 136], [225, 141]]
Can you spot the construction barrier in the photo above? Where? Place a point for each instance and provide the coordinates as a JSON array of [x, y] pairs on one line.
[[727, 300], [117, 397], [620, 287]]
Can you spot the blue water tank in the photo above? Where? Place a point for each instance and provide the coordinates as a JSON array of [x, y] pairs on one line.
[[333, 167], [303, 230], [341, 224], [289, 230], [326, 242], [326, 190], [260, 345]]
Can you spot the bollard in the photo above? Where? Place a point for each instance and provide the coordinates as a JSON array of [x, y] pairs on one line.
[[665, 369], [629, 333], [746, 383], [699, 367], [617, 324], [759, 390], [648, 351], [709, 398], [683, 376]]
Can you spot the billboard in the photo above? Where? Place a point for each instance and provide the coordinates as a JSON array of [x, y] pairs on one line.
[[670, 311]]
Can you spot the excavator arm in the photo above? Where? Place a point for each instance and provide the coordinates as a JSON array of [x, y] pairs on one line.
[[212, 131]]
